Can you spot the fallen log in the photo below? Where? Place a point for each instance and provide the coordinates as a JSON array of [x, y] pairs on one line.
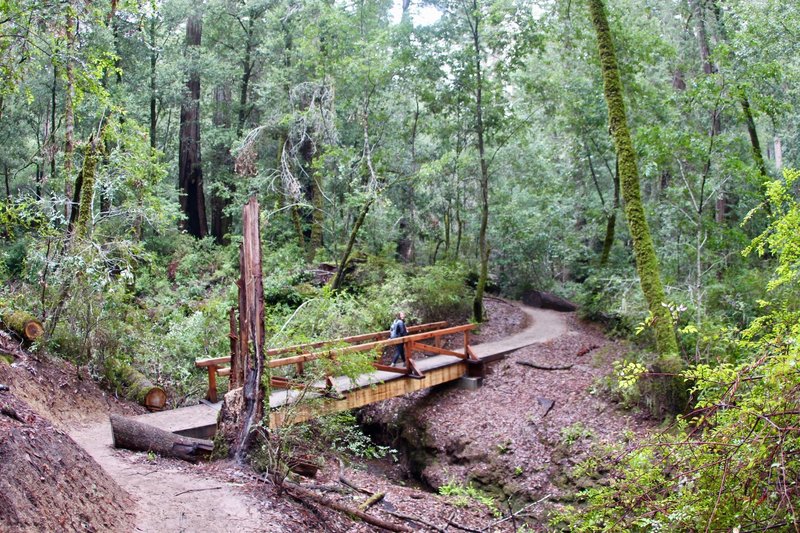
[[302, 494], [136, 387], [136, 436], [22, 323], [540, 367]]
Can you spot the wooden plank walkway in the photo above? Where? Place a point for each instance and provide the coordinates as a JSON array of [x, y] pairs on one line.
[[543, 326]]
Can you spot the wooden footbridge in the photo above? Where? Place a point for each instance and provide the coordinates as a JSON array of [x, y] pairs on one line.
[[290, 399], [295, 397]]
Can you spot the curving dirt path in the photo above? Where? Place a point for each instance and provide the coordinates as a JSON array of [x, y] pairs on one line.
[[171, 496], [543, 325]]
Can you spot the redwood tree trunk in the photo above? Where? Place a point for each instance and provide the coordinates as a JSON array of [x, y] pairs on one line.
[[190, 171]]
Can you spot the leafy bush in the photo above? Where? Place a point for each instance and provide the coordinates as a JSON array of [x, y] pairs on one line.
[[732, 463]]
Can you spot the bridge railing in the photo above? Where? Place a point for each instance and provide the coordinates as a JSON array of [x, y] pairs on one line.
[[216, 366]]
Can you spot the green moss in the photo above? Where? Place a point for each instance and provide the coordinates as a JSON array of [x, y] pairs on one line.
[[643, 249]]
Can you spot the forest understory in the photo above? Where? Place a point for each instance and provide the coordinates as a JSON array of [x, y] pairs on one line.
[[500, 439]]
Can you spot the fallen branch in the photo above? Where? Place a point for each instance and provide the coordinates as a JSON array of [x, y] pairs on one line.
[[10, 412], [540, 367], [329, 488], [197, 490], [513, 515], [344, 481], [416, 519], [301, 494], [372, 500]]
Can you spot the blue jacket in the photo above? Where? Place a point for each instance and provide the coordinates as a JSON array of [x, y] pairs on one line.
[[398, 329]]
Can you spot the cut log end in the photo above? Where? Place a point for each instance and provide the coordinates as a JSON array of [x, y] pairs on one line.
[[22, 323], [156, 399], [33, 330]]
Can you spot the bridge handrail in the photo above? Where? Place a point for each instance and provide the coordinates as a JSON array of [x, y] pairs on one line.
[[333, 352], [216, 361]]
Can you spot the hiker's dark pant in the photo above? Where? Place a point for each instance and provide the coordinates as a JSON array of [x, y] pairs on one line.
[[399, 354]]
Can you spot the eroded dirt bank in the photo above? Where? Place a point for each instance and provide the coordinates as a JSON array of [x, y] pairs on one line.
[[519, 436]]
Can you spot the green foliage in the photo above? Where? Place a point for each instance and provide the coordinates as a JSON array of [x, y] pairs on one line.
[[342, 432], [575, 433], [730, 464], [463, 495]]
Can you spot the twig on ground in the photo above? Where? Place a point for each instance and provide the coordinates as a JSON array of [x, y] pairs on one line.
[[449, 520], [512, 516], [416, 519], [197, 490], [541, 367], [344, 481]]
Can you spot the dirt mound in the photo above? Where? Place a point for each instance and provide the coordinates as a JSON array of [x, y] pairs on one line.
[[56, 390], [47, 482]]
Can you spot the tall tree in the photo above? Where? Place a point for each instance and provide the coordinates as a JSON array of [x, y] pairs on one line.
[[473, 15], [643, 248], [190, 171]]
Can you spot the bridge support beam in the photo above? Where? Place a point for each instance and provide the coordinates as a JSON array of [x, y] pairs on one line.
[[360, 397]]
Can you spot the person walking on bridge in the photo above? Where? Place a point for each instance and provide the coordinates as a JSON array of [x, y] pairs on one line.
[[398, 329]]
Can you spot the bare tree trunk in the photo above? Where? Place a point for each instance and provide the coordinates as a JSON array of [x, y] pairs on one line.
[[220, 197], [705, 56], [252, 299], [339, 278], [190, 177], [611, 223], [318, 215], [755, 145], [474, 20], [247, 71], [153, 61], [778, 153]]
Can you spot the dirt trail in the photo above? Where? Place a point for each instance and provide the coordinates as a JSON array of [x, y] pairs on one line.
[[172, 496], [543, 325]]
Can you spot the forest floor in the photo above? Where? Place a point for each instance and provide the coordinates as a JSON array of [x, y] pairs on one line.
[[501, 437]]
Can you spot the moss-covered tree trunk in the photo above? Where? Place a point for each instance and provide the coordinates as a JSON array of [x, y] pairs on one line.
[[84, 191], [644, 251]]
